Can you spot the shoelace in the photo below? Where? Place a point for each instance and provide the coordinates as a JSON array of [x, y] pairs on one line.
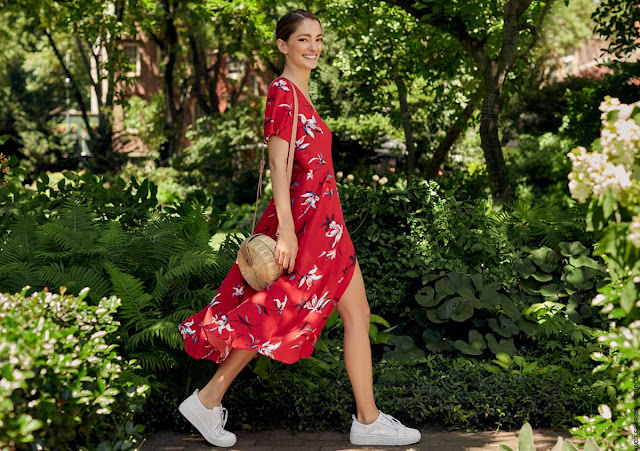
[[223, 415], [390, 421], [223, 421]]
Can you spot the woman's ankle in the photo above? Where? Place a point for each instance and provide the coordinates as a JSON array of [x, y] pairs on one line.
[[367, 418], [206, 402]]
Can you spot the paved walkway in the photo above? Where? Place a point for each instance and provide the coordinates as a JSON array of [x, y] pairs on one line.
[[281, 440]]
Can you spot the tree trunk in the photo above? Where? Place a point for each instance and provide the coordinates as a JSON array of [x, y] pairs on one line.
[[408, 131], [171, 119], [490, 141], [76, 89], [454, 131]]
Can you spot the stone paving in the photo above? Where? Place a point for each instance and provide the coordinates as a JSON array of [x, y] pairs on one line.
[[432, 439]]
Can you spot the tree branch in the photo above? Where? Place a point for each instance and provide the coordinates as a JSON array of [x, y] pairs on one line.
[[535, 29], [76, 90], [510, 33], [451, 25]]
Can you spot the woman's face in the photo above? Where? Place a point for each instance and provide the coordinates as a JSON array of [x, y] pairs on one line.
[[304, 46]]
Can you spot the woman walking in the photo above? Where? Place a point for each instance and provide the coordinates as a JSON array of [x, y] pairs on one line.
[[321, 272]]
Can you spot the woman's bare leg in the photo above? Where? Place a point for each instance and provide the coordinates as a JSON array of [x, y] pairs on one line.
[[211, 395], [354, 311]]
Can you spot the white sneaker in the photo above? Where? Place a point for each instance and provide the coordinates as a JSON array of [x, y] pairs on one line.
[[209, 422], [386, 430]]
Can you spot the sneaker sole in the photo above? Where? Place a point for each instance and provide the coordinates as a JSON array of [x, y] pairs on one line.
[[195, 420], [358, 439]]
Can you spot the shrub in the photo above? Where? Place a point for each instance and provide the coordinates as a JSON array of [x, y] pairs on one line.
[[608, 177], [63, 384], [315, 394]]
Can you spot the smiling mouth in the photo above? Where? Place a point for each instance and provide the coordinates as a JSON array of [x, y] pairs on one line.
[[310, 57]]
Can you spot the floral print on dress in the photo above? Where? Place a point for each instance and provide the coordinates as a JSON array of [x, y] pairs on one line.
[[284, 320]]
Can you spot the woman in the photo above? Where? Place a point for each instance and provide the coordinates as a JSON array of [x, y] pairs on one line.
[[284, 320]]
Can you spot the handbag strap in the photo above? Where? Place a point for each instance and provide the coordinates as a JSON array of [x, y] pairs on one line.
[[290, 157]]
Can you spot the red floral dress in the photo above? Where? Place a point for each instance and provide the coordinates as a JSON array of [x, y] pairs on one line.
[[284, 320]]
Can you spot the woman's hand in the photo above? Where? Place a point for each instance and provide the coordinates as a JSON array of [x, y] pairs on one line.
[[286, 248]]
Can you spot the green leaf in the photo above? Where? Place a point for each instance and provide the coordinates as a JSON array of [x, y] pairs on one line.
[[510, 308], [568, 446], [492, 369], [444, 288], [551, 290], [434, 316], [525, 438], [426, 298], [608, 204], [404, 351], [458, 309], [503, 326], [580, 277], [373, 318], [545, 258], [629, 296], [583, 260], [591, 445], [542, 277], [476, 344], [525, 267], [478, 280], [489, 298], [434, 342], [573, 249], [504, 346]]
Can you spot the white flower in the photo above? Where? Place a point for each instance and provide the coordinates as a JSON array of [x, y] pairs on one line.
[[375, 177], [593, 173], [634, 231], [604, 411], [339, 174], [598, 300], [383, 180], [350, 177]]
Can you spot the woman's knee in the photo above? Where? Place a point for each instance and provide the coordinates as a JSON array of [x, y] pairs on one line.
[[356, 314]]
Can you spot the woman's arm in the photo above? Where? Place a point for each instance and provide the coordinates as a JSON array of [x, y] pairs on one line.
[[287, 241]]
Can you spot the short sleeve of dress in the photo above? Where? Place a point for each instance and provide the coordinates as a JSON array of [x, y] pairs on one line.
[[278, 113]]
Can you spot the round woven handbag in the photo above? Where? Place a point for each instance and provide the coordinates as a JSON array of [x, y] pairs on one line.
[[257, 261], [257, 253]]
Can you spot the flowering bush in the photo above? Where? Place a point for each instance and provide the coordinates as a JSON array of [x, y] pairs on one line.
[[609, 175]]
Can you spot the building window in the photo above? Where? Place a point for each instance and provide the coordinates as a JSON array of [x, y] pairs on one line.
[[132, 57], [234, 68]]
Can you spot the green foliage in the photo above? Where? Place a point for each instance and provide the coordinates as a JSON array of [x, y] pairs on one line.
[[131, 204], [163, 271], [531, 221], [539, 167], [582, 116], [144, 119], [315, 394], [616, 22], [64, 386], [547, 302], [457, 277], [224, 154], [526, 443], [405, 233], [614, 209]]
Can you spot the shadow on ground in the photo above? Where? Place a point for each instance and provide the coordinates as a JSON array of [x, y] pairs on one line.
[[432, 439]]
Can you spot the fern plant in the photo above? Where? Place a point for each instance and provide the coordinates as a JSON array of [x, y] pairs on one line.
[[163, 272], [527, 223]]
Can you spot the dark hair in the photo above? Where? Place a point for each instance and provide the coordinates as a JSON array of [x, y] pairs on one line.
[[290, 22]]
